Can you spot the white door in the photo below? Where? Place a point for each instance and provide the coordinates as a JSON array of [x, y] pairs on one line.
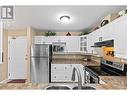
[[17, 50]]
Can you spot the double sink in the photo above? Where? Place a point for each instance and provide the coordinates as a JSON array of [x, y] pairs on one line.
[[68, 87]]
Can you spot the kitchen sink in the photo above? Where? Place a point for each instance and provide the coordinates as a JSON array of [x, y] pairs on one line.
[[84, 88], [68, 87], [57, 88]]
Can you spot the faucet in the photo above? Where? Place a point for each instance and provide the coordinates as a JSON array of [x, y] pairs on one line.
[[78, 75]]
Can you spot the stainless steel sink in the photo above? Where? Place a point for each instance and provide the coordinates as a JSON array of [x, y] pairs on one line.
[[57, 88], [84, 88]]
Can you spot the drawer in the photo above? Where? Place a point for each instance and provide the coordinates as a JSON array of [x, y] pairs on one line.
[[62, 73], [60, 78], [67, 71], [61, 67]]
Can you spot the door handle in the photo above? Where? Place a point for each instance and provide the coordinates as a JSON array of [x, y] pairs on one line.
[[2, 57]]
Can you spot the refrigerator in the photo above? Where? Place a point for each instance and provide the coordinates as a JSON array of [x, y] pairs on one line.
[[40, 67]]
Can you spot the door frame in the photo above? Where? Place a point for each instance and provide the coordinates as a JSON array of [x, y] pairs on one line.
[[9, 37]]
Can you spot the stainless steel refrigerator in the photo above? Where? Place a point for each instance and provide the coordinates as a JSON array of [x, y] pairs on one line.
[[40, 67]]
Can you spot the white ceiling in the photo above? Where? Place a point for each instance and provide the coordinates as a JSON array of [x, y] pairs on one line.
[[46, 17]]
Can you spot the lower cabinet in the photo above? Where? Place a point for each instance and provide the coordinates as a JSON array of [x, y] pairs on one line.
[[63, 72]]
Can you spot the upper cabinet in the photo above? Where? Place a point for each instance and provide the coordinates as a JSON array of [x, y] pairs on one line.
[[117, 31], [83, 43], [120, 45], [90, 43], [108, 31], [97, 36], [72, 42]]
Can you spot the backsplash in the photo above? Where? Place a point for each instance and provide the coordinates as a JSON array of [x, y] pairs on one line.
[[108, 53]]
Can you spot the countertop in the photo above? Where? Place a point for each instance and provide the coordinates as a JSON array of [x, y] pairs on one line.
[[115, 82], [69, 61], [8, 86], [61, 53], [110, 83]]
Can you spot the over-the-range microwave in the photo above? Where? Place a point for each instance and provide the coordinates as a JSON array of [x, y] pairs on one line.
[[59, 46]]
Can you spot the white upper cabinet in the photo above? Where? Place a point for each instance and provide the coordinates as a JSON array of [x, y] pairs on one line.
[[120, 44], [117, 31], [72, 42], [83, 43], [90, 43], [108, 32], [39, 39], [96, 36]]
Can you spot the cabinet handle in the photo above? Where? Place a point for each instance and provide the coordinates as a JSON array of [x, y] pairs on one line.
[[100, 38], [54, 76], [2, 57], [65, 76], [65, 67], [54, 67]]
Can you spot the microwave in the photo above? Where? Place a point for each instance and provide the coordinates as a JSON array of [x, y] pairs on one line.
[[59, 46]]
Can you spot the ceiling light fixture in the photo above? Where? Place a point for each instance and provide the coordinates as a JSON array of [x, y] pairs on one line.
[[65, 19]]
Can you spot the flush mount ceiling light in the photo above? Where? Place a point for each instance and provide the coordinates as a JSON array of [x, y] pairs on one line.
[[65, 19]]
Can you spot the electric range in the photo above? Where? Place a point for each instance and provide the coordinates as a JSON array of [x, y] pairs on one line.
[[106, 68]]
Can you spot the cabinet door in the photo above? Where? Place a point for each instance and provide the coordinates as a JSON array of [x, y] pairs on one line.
[[61, 68], [108, 32], [120, 45], [89, 43], [83, 43], [97, 35], [39, 39], [73, 43], [61, 72], [60, 77]]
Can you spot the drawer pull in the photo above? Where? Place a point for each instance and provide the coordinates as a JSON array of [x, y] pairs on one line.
[[65, 67], [54, 76], [54, 67]]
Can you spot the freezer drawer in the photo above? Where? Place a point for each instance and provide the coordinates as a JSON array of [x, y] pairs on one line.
[[39, 70]]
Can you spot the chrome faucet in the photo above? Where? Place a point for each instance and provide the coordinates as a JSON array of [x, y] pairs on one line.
[[75, 69]]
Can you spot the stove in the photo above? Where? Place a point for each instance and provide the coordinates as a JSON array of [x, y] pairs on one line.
[[106, 68], [97, 70]]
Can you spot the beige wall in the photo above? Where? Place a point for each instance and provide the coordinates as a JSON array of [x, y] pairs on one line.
[[39, 32], [18, 32], [64, 33], [4, 65]]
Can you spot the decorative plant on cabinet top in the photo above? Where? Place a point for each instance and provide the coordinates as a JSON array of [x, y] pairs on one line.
[[50, 33], [85, 32]]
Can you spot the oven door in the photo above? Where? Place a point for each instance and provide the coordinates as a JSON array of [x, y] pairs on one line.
[[91, 78]]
